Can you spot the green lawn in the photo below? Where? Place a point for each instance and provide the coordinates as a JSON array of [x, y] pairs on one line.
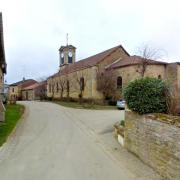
[[85, 105], [12, 115]]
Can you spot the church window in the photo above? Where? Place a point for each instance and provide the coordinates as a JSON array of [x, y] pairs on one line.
[[119, 82], [69, 59], [82, 84], [67, 86]]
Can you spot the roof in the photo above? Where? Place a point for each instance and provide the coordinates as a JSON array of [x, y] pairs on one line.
[[24, 83], [35, 85], [2, 52], [134, 60], [89, 62], [68, 46]]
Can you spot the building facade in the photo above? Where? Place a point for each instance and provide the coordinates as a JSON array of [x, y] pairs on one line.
[[76, 79], [36, 91], [15, 89]]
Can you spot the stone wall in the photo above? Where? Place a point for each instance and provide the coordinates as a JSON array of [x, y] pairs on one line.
[[155, 139]]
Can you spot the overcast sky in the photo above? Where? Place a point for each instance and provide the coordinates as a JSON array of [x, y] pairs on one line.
[[35, 29]]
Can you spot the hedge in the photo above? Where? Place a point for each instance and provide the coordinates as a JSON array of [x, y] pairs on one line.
[[146, 95]]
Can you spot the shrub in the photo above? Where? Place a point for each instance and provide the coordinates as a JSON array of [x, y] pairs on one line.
[[146, 95], [173, 100]]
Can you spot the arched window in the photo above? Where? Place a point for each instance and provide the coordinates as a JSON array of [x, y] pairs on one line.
[[119, 82], [82, 84], [159, 77]]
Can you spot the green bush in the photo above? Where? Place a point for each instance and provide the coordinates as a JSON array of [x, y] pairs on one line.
[[146, 95]]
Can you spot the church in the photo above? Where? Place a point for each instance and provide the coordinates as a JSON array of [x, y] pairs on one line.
[[77, 79]]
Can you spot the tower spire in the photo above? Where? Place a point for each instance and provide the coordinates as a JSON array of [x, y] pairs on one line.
[[67, 39]]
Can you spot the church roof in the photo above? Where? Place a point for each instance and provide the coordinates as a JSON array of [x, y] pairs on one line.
[[24, 83], [2, 52], [88, 62], [134, 60]]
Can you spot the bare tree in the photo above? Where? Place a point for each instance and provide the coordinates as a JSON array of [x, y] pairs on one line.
[[106, 83], [42, 78], [80, 83], [172, 99], [148, 53], [62, 86]]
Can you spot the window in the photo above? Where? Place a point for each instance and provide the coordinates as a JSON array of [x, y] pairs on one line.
[[69, 60], [119, 82], [12, 89], [62, 60], [82, 84], [50, 88], [67, 86], [57, 87]]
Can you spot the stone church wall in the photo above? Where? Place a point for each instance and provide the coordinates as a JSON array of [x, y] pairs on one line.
[[130, 73]]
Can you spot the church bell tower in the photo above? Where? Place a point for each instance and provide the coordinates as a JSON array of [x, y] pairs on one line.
[[67, 55]]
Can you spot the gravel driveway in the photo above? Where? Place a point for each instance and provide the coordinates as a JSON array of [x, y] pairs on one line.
[[52, 142]]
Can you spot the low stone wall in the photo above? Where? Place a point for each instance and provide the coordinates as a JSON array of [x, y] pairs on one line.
[[155, 139]]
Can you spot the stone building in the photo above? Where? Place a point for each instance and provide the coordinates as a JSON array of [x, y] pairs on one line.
[[15, 89], [76, 79], [79, 78], [36, 91]]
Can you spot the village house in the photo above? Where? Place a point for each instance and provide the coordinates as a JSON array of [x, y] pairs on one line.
[[2, 69], [36, 91], [15, 89], [76, 79]]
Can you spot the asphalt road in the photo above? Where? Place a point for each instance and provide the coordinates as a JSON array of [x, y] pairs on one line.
[[51, 142]]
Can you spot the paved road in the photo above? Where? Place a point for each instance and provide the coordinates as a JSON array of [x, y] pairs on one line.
[[52, 142]]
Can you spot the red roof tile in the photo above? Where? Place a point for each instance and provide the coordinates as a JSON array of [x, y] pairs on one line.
[[35, 85], [24, 83], [133, 60]]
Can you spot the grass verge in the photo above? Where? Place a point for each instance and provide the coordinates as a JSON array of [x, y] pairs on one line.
[[77, 105], [12, 115]]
